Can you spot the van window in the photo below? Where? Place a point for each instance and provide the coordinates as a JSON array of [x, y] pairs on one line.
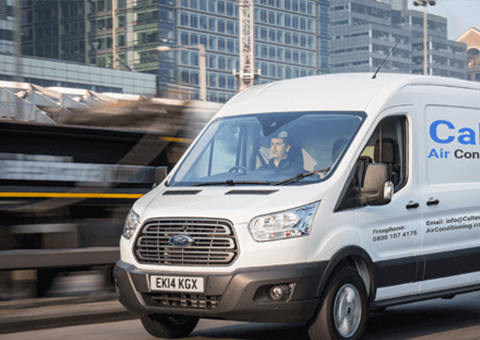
[[268, 148], [387, 145]]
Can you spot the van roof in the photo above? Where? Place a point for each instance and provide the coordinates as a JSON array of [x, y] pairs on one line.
[[334, 92]]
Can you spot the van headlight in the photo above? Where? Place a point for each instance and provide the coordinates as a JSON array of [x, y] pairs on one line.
[[131, 223], [284, 224]]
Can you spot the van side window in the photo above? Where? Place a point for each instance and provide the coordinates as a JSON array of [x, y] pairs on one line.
[[387, 145]]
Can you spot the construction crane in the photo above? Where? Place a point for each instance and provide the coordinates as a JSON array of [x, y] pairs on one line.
[[247, 73]]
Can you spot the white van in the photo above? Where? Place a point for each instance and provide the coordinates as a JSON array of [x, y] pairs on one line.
[[313, 200]]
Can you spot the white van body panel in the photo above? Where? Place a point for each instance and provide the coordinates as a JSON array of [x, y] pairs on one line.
[[345, 92], [205, 204], [396, 291], [449, 282], [450, 130]]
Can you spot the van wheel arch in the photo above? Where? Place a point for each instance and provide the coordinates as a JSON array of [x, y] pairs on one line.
[[356, 258]]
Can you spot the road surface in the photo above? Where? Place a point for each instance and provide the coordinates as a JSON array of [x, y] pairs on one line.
[[457, 319]]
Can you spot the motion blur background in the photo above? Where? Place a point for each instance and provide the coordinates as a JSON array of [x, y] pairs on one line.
[[93, 113]]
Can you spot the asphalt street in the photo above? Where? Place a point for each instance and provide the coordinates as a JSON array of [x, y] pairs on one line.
[[438, 319]]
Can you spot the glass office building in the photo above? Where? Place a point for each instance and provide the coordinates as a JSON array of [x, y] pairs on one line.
[[286, 39], [214, 24], [7, 26], [121, 34], [397, 5], [365, 31], [446, 58], [291, 40], [363, 35], [53, 29], [69, 43]]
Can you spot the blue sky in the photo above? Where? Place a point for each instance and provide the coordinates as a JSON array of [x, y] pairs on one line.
[[461, 14]]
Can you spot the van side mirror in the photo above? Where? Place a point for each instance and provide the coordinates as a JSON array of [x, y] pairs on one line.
[[377, 187], [160, 173]]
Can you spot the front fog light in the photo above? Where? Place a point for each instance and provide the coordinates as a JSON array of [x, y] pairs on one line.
[[281, 292], [284, 224], [131, 223]]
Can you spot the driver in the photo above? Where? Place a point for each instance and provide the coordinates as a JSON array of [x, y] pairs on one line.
[[280, 161]]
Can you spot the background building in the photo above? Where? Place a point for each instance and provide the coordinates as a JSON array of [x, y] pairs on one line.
[[446, 58], [53, 29], [471, 37], [362, 36], [292, 38], [214, 24], [286, 39], [120, 34], [7, 26], [47, 73], [397, 5], [365, 31]]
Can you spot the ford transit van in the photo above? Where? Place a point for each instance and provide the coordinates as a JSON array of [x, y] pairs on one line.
[[312, 200]]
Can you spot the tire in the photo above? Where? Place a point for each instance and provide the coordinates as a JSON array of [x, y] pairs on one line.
[[343, 312], [170, 327]]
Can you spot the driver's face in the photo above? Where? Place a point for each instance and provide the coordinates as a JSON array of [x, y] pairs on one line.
[[278, 149]]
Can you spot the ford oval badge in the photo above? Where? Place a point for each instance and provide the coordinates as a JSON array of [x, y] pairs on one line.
[[181, 241]]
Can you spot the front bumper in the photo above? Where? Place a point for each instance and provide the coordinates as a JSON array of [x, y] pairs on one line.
[[242, 295]]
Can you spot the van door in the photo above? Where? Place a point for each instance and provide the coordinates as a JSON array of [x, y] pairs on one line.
[[451, 200], [391, 233]]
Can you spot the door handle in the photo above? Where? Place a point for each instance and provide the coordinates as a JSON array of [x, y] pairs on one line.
[[412, 205], [432, 201]]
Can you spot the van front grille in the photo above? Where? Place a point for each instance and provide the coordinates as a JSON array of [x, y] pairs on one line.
[[214, 242], [181, 300]]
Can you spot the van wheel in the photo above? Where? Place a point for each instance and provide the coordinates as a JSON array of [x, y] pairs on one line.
[[169, 326], [344, 310]]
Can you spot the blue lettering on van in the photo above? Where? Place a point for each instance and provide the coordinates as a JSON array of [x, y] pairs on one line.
[[468, 137], [465, 135], [441, 154], [433, 132]]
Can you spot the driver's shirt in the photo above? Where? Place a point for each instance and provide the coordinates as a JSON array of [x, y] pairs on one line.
[[285, 167]]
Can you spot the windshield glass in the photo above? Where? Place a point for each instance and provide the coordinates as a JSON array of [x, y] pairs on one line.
[[261, 149]]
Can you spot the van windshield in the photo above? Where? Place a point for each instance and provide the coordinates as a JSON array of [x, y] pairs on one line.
[[268, 149]]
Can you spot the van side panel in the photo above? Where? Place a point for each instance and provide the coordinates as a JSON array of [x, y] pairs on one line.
[[451, 183]]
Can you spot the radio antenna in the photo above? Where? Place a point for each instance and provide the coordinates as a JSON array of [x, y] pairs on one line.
[[383, 62]]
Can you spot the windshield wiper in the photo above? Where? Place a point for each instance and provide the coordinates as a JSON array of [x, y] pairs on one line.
[[298, 177], [231, 182]]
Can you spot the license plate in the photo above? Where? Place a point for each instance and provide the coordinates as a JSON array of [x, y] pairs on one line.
[[176, 284]]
